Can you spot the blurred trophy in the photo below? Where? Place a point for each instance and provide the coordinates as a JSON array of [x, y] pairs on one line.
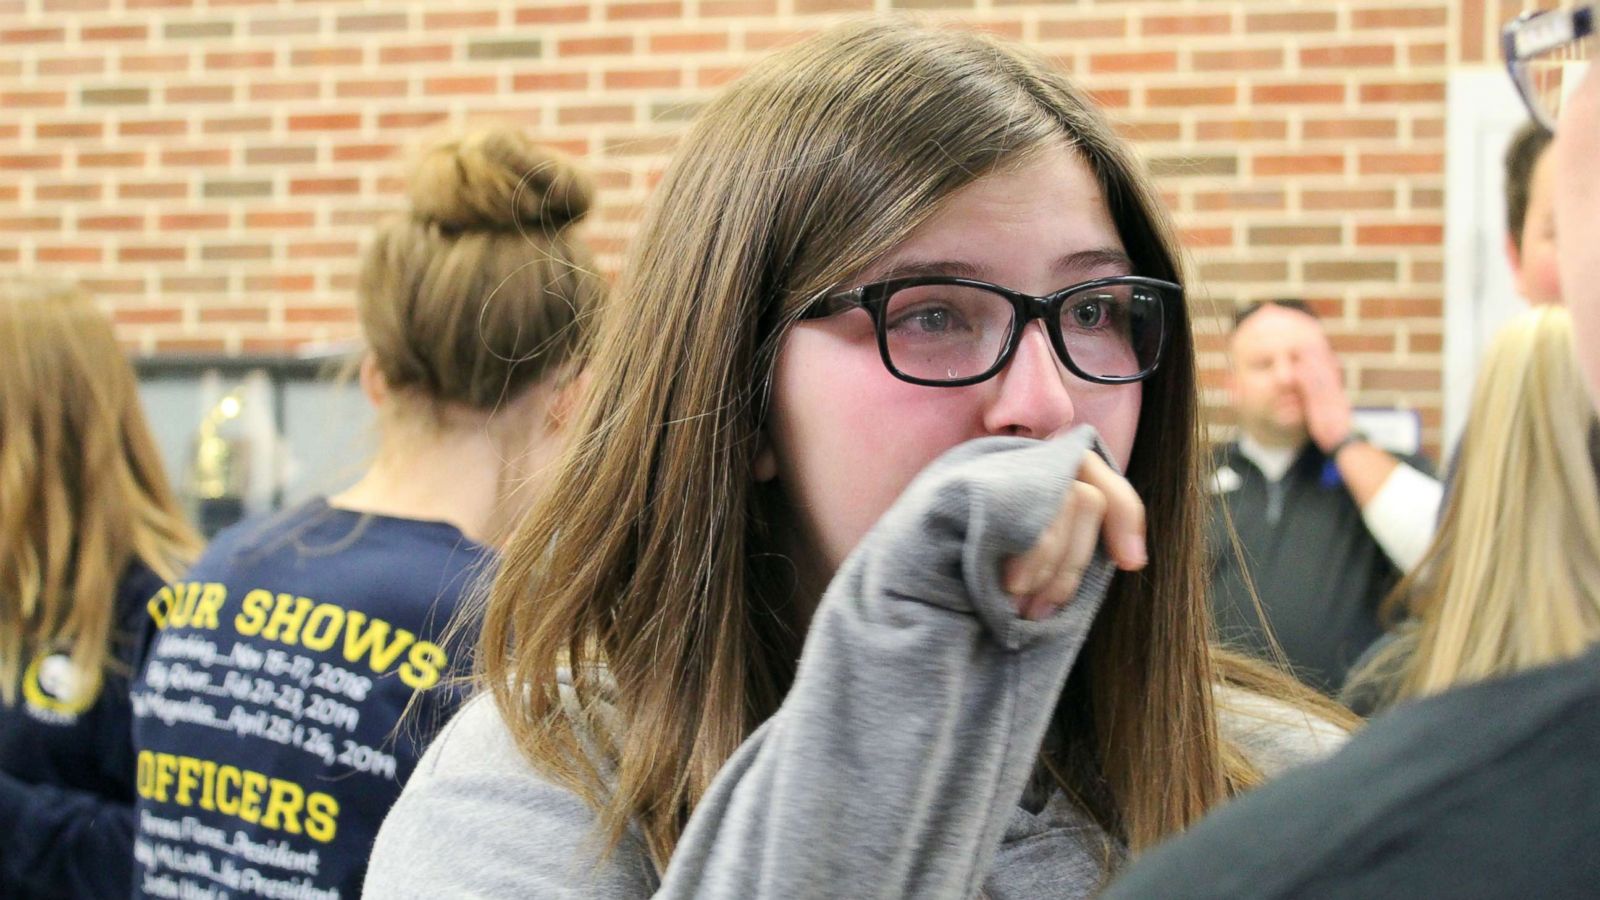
[[219, 466]]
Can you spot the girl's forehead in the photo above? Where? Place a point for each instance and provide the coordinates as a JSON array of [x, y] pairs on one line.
[[1048, 209]]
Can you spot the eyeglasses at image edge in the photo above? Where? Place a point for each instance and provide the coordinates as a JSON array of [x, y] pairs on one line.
[[1534, 34]]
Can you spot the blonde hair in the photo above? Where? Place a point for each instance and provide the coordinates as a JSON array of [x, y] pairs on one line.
[[651, 569], [82, 491], [480, 289], [1511, 580]]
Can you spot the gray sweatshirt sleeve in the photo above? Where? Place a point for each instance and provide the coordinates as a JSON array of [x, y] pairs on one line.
[[892, 767], [920, 703]]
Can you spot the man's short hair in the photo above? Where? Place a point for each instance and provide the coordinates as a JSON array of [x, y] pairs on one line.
[[1297, 305], [1522, 155]]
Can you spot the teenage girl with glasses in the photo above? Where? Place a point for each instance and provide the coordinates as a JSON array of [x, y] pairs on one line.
[[839, 591]]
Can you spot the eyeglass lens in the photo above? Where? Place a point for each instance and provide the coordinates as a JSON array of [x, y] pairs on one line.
[[1549, 77]]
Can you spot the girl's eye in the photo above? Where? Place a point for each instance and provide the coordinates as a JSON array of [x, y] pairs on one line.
[[928, 318], [1087, 314], [931, 320]]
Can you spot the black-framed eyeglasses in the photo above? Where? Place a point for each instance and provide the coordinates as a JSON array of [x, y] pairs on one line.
[[949, 332], [1546, 53]]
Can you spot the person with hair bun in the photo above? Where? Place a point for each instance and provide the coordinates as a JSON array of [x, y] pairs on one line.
[[89, 530], [300, 665]]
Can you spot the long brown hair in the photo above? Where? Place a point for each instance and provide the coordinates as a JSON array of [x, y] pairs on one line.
[[652, 562], [1511, 580], [82, 491]]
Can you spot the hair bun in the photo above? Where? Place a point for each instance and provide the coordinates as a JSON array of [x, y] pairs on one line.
[[497, 178]]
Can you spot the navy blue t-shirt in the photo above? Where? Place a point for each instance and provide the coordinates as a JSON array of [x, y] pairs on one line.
[[294, 679], [66, 766]]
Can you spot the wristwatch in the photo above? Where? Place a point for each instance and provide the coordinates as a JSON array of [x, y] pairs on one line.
[[1355, 436]]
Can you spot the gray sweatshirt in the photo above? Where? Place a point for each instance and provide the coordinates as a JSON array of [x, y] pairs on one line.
[[894, 768]]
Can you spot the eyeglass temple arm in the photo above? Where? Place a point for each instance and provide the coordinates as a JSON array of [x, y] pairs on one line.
[[832, 304]]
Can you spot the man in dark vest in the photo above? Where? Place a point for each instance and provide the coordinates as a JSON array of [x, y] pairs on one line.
[[1326, 521]]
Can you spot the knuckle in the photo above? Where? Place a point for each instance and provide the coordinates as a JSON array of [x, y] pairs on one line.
[[1136, 516], [1132, 505], [1090, 499]]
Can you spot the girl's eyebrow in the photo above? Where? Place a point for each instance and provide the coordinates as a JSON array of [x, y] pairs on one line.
[[945, 267], [1080, 261], [1096, 258]]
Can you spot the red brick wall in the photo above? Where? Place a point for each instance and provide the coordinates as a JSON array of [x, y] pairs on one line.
[[209, 167]]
